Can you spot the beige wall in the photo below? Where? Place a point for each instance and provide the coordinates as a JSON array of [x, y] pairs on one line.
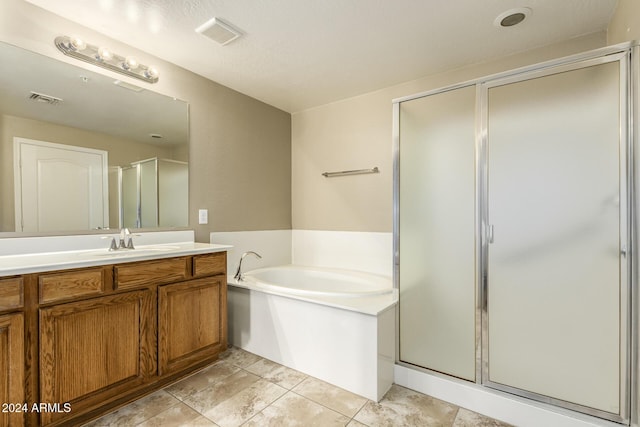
[[625, 23], [240, 152], [356, 133]]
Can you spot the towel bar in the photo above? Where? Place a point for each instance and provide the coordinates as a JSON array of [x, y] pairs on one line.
[[353, 172]]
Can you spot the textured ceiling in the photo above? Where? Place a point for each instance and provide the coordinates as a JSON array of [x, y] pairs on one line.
[[297, 54]]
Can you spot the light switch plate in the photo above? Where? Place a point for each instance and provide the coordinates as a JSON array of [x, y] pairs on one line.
[[203, 216]]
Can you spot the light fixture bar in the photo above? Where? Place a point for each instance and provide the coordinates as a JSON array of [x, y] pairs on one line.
[[103, 57]]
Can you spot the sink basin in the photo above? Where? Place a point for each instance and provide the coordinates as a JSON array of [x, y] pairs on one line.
[[143, 250]]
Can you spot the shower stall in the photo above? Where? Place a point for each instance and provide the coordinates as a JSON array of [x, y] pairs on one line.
[[514, 232]]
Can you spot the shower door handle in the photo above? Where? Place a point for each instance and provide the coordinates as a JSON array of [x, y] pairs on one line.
[[490, 234]]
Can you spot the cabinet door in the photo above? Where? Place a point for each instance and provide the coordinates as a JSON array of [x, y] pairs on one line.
[[11, 367], [93, 350], [192, 322]]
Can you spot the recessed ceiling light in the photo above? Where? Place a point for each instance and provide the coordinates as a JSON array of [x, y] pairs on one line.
[[512, 17]]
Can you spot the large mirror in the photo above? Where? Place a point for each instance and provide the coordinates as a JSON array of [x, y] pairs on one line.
[[81, 151]]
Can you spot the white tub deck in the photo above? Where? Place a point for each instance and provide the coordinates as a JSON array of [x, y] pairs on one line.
[[345, 340]]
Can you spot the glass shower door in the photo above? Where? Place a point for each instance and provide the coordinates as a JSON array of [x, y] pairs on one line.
[[556, 236], [436, 232]]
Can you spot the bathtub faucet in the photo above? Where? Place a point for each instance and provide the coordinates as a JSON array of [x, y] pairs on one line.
[[239, 277]]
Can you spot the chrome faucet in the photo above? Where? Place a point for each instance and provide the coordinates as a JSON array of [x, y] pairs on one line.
[[124, 234], [239, 277], [125, 241], [114, 245]]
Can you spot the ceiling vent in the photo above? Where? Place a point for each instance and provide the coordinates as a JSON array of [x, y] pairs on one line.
[[44, 99], [219, 31]]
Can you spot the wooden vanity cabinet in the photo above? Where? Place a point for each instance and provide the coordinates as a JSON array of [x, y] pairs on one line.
[[192, 315], [12, 371], [88, 340]]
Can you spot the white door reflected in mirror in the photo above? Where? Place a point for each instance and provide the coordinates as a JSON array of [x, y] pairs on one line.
[[59, 187]]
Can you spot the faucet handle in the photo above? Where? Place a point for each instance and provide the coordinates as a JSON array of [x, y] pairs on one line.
[[130, 241], [124, 233], [113, 246]]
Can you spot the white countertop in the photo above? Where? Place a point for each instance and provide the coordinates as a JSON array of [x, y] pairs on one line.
[[11, 265]]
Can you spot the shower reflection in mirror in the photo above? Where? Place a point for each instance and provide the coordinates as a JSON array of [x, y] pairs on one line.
[[153, 193]]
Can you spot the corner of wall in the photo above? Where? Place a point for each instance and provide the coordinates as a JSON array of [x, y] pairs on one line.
[[624, 25], [273, 245], [353, 250]]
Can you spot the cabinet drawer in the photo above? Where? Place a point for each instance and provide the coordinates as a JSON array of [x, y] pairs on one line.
[[11, 294], [72, 284], [150, 272], [210, 264]]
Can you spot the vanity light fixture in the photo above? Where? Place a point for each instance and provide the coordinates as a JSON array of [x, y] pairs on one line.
[[104, 57]]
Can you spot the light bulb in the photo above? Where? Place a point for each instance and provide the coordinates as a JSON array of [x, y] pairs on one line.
[[76, 43], [130, 63], [151, 73], [104, 54]]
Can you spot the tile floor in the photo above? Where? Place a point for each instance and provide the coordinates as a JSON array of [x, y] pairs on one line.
[[242, 389]]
